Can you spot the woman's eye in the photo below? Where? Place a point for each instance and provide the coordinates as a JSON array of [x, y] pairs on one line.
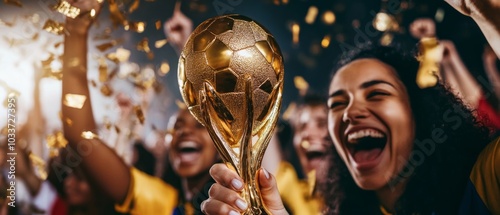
[[377, 94], [336, 104]]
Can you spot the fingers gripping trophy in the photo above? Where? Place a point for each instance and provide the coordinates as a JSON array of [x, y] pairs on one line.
[[231, 78]]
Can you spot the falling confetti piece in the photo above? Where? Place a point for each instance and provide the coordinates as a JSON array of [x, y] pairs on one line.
[[158, 24], [106, 90], [105, 46], [39, 164], [139, 113], [134, 6], [92, 13], [69, 122], [328, 17], [295, 32], [164, 68], [93, 83], [54, 27], [385, 22], [386, 39], [117, 129], [439, 15], [116, 15], [74, 100], [311, 14], [290, 110], [135, 26], [53, 153], [56, 140], [89, 135], [67, 9], [430, 56], [160, 43], [180, 104], [300, 83], [103, 70], [121, 55], [325, 42], [143, 45]]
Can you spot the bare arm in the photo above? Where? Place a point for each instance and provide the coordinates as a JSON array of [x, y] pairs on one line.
[[486, 13], [100, 162], [466, 84]]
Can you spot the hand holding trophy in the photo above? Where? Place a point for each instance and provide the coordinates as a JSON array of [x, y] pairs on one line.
[[231, 78]]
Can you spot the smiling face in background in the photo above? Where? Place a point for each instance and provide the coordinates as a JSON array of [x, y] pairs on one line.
[[192, 151], [311, 139], [370, 121]]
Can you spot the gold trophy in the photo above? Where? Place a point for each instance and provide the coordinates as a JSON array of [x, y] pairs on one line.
[[231, 78]]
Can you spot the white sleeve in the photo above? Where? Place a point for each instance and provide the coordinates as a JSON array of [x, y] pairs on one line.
[[45, 198]]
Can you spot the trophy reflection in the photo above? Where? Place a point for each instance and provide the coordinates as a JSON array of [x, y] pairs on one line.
[[231, 78]]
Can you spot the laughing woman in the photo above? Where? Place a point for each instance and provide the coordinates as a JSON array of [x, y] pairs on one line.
[[399, 149]]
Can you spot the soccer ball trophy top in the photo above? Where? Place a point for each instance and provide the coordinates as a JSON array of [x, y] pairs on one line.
[[231, 78]]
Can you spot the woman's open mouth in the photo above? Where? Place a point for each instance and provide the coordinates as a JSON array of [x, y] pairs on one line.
[[188, 151], [365, 147]]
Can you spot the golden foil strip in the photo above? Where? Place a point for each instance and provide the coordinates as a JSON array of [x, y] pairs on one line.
[[54, 27], [300, 83], [74, 100], [103, 70], [134, 6], [39, 165], [138, 27], [139, 113], [430, 58], [160, 43], [67, 9], [14, 2], [290, 110], [121, 55], [116, 15], [56, 140], [89, 135], [105, 46], [106, 90], [158, 24], [143, 45], [68, 121]]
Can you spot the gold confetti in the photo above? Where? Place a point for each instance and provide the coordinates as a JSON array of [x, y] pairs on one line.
[[158, 24], [53, 153], [139, 113], [134, 6], [35, 18], [14, 2], [92, 13], [385, 22], [143, 45], [52, 68], [439, 16], [328, 17], [93, 83], [121, 55], [103, 70], [295, 32], [67, 9], [117, 129], [58, 44], [74, 100], [8, 24], [311, 14], [386, 39], [160, 43], [300, 83], [325, 42], [89, 135], [56, 140], [39, 164], [181, 105], [54, 27], [69, 122], [116, 15], [106, 90], [430, 57], [290, 110], [135, 26], [105, 46], [164, 68]]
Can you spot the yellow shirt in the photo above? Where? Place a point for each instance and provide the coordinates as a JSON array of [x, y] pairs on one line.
[[296, 194], [148, 195]]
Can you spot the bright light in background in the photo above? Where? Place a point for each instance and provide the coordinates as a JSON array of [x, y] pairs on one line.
[[328, 17]]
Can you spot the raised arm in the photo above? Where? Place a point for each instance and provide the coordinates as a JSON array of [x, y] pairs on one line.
[[486, 13], [100, 162], [489, 61]]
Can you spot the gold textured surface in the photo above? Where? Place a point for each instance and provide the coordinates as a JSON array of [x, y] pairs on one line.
[[230, 75]]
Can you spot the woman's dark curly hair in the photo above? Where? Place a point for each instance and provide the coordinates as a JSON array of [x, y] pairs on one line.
[[438, 178]]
